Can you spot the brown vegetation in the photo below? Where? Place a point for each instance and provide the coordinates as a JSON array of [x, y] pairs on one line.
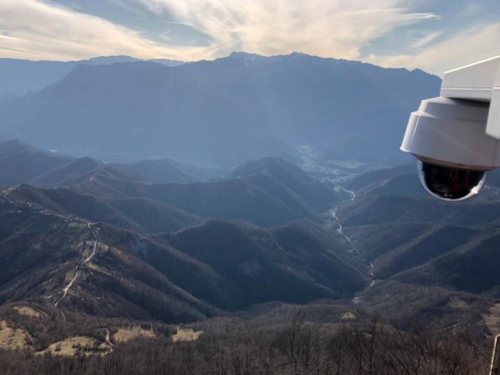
[[297, 347], [129, 333]]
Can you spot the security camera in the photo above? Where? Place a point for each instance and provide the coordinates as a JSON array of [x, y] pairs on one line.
[[456, 137]]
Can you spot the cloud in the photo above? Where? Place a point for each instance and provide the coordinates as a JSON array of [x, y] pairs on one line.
[[426, 40], [332, 28], [36, 30], [471, 45]]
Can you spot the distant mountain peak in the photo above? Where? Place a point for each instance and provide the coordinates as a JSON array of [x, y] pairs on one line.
[[112, 59], [223, 112], [304, 55], [300, 58], [243, 54], [253, 59]]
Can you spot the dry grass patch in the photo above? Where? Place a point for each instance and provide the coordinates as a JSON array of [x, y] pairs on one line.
[[28, 311], [95, 267], [80, 344], [349, 316], [76, 224], [127, 334], [186, 334], [457, 303], [11, 338]]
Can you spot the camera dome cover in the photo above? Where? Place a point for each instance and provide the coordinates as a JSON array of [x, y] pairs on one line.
[[450, 184]]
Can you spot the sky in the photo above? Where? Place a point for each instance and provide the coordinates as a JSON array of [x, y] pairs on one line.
[[433, 35]]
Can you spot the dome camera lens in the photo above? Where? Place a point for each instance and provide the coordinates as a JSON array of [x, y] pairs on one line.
[[449, 183]]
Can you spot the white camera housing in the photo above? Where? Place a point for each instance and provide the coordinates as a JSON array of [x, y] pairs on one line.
[[456, 136]]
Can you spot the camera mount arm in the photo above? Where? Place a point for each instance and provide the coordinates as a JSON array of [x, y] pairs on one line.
[[477, 82]]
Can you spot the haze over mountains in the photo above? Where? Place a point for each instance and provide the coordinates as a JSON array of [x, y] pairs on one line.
[[266, 192], [199, 269], [21, 163], [222, 112], [245, 188], [21, 76], [258, 234]]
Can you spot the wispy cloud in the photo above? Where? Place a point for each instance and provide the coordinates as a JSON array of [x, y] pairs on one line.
[[163, 21], [470, 45], [337, 28], [426, 40], [37, 30]]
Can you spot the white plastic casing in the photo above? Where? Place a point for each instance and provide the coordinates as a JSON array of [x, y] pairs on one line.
[[493, 127], [462, 127], [478, 82], [452, 132], [472, 82]]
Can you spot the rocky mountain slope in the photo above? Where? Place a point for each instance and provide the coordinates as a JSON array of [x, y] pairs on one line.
[[222, 112]]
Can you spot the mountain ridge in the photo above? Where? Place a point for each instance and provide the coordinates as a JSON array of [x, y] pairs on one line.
[[163, 277], [20, 77], [263, 110]]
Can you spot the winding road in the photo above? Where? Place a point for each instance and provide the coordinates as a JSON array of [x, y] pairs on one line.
[[95, 245], [68, 287], [108, 339]]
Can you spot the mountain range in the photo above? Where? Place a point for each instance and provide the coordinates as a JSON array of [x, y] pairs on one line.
[[21, 163], [240, 188], [104, 244], [97, 239], [267, 192], [19, 77], [391, 222], [180, 277], [222, 112], [414, 239]]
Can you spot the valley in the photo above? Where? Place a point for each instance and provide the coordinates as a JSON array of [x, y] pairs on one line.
[[181, 241], [325, 254], [97, 276]]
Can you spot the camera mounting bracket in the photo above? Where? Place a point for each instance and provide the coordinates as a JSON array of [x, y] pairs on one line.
[[478, 82]]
